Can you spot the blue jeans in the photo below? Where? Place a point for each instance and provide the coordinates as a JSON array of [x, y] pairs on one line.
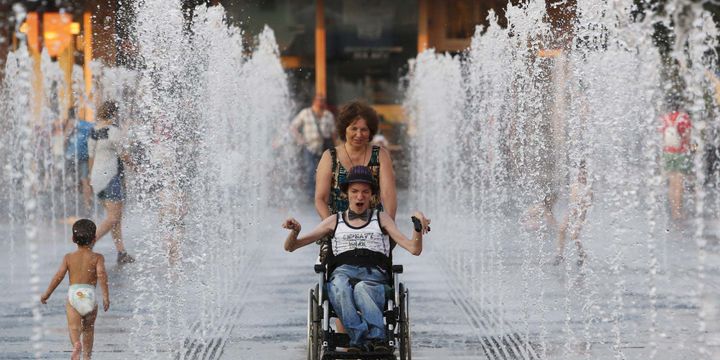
[[367, 297], [311, 162]]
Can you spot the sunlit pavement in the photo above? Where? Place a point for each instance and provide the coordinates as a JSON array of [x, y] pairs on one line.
[[269, 321]]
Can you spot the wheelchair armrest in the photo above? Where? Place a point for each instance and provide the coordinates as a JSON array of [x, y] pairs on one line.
[[319, 268], [397, 269]]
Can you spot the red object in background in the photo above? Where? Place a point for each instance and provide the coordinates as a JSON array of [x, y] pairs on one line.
[[675, 127]]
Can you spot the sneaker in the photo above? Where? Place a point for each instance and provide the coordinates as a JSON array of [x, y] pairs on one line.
[[558, 260], [353, 349], [581, 260], [125, 258]]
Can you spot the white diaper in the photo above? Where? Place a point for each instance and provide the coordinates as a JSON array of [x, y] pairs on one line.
[[82, 298]]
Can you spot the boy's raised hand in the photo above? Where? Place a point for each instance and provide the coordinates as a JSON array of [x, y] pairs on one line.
[[425, 221], [292, 224]]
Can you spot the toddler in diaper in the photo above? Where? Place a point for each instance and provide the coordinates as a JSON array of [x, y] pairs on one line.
[[85, 268], [82, 298]]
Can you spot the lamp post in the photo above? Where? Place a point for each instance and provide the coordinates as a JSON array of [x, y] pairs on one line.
[[320, 60]]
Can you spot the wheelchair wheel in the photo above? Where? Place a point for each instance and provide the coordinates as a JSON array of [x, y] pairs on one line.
[[404, 324], [314, 335]]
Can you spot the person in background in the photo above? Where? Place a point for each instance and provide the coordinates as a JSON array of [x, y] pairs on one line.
[[581, 198], [77, 156], [314, 130], [676, 130], [107, 175], [357, 125]]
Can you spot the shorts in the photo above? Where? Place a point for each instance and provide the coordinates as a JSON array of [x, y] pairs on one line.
[[678, 162], [114, 191]]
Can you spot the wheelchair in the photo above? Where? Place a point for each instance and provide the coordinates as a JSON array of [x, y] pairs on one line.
[[323, 340]]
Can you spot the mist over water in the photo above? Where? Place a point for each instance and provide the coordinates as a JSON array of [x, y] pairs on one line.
[[505, 127], [495, 132], [201, 117], [211, 113]]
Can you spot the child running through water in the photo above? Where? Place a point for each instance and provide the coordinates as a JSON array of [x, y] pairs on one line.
[[581, 199], [86, 268]]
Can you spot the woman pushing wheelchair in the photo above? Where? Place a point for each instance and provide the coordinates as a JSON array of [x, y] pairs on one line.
[[359, 258]]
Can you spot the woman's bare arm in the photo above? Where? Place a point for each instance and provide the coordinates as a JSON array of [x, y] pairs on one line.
[[68, 128], [295, 128], [92, 146], [388, 193], [322, 185]]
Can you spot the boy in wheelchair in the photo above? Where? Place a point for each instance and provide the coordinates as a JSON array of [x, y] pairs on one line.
[[359, 259]]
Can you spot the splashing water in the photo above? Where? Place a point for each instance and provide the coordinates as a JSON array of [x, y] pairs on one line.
[[199, 115], [500, 136]]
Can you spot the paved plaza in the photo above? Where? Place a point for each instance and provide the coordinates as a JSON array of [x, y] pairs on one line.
[[268, 312]]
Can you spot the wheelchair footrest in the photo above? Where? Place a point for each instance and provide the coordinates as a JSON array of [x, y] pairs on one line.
[[358, 355], [339, 339]]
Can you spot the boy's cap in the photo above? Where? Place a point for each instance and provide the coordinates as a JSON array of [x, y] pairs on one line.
[[359, 174]]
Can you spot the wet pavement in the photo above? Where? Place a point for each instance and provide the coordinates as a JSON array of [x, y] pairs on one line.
[[266, 320], [450, 319], [613, 307], [275, 309]]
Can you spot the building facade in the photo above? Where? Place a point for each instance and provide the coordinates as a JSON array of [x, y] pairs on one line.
[[348, 49]]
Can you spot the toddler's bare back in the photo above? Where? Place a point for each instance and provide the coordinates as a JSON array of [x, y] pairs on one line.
[[82, 266]]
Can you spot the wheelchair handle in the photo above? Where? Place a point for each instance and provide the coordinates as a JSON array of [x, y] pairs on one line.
[[320, 268]]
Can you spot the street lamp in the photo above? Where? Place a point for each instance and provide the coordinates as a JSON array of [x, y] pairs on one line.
[[58, 30]]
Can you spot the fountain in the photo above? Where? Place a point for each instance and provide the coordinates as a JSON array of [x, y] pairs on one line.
[[201, 114], [500, 136]]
